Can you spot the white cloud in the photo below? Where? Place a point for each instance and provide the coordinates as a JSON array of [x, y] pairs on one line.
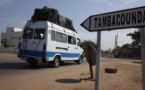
[[22, 22], [128, 2], [117, 4], [4, 2]]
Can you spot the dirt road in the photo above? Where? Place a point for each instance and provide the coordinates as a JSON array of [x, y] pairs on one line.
[[18, 75]]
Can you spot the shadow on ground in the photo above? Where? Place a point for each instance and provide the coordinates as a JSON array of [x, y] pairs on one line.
[[68, 81]]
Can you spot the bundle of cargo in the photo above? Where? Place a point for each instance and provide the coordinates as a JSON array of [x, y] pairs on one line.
[[52, 15], [46, 14], [65, 22]]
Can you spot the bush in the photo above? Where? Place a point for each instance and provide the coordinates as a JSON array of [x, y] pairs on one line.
[[5, 42]]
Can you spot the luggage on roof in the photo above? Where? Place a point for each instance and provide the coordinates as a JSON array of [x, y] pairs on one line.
[[52, 15], [65, 22], [46, 14]]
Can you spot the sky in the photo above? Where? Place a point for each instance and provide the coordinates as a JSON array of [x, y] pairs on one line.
[[15, 13]]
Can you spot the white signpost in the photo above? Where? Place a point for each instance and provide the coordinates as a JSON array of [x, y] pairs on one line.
[[129, 18], [116, 20]]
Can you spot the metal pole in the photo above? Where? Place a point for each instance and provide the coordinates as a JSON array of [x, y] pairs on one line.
[[98, 60], [142, 30]]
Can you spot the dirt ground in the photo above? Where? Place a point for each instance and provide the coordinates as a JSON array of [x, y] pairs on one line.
[[8, 55], [128, 77]]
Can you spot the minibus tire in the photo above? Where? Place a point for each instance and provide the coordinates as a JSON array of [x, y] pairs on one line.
[[56, 61]]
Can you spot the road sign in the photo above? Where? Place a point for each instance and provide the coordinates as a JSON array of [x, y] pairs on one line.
[[128, 18]]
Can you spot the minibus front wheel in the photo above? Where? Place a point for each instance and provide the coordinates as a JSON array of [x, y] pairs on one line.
[[80, 60]]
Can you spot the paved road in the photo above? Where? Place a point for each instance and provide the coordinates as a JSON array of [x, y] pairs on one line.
[[19, 66], [9, 66]]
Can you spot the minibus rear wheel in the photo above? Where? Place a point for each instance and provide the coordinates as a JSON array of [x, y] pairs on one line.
[[33, 62]]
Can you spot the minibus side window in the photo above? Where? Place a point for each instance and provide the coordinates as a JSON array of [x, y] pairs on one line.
[[58, 37], [64, 38], [39, 34], [71, 40], [28, 33], [52, 35]]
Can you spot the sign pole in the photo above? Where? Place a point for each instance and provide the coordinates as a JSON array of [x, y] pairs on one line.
[[98, 47], [142, 30]]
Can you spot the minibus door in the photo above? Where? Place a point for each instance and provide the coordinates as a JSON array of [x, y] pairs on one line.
[[72, 48], [37, 43]]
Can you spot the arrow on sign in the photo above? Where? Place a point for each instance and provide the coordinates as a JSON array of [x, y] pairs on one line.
[[87, 23]]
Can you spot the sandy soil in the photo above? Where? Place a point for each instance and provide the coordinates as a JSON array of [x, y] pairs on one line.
[[8, 55], [128, 77]]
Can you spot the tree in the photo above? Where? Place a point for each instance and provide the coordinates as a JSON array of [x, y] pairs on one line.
[[135, 36], [107, 51], [5, 42]]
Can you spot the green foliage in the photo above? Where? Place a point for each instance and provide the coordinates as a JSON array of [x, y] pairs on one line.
[[5, 42], [106, 51], [85, 42], [135, 37]]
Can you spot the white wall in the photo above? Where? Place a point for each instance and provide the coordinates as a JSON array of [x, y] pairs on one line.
[[13, 35]]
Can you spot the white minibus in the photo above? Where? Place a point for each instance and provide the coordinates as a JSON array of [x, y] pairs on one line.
[[48, 42]]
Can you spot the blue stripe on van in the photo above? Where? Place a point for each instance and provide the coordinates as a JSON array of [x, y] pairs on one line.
[[47, 54]]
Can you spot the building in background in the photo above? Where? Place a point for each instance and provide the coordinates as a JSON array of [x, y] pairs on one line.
[[12, 36]]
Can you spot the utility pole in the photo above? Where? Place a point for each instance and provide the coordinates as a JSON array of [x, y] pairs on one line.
[[116, 41], [116, 44]]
